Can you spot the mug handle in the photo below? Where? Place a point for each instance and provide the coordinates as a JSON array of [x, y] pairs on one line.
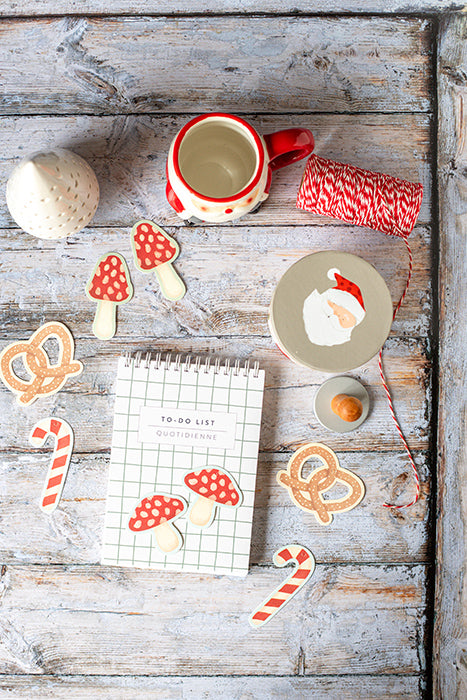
[[288, 146]]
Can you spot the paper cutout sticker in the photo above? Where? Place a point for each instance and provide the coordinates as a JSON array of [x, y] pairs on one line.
[[154, 249], [58, 468], [158, 512], [304, 562], [214, 487], [45, 379], [109, 285], [307, 493]]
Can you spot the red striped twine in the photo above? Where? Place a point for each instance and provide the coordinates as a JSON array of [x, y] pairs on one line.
[[360, 197], [376, 200]]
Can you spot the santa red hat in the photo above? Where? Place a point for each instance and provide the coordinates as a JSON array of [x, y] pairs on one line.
[[346, 294]]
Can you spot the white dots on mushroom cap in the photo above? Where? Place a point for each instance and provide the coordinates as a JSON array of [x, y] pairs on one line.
[[214, 484], [156, 510]]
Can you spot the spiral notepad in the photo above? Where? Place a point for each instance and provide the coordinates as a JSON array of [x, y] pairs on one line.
[[178, 422]]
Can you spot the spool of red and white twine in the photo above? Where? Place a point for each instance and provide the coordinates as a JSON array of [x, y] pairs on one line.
[[366, 198]]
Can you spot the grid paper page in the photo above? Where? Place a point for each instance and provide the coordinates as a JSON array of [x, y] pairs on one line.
[[139, 469]]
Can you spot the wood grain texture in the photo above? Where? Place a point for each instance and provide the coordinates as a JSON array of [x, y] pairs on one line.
[[76, 620], [72, 533], [363, 85], [128, 154], [179, 7], [228, 294], [288, 419], [450, 653], [153, 64], [385, 687]]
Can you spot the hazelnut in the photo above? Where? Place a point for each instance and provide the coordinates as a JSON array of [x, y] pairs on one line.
[[346, 407]]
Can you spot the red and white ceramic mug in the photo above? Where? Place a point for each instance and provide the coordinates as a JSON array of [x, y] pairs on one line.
[[219, 168]]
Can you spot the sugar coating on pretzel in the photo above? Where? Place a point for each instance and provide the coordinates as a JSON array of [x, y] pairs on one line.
[[307, 493]]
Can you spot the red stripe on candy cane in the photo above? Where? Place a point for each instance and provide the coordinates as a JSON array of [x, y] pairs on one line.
[[59, 461], [58, 467], [301, 573], [39, 433], [302, 556], [55, 426], [49, 500], [304, 567], [54, 481], [275, 602], [63, 442], [285, 555], [262, 616]]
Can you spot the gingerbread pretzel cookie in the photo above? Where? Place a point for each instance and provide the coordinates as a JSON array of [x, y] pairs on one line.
[[45, 378], [307, 494]]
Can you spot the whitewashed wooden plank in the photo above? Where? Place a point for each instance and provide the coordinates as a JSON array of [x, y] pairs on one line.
[[288, 419], [349, 619], [152, 64], [450, 636], [386, 687], [230, 275], [129, 153], [117, 7], [72, 534]]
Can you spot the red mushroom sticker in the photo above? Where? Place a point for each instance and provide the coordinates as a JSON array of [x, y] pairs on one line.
[[214, 487], [155, 250], [157, 513], [110, 286]]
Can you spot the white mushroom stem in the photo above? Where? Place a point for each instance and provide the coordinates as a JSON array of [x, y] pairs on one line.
[[201, 512], [172, 287], [167, 537], [105, 320]]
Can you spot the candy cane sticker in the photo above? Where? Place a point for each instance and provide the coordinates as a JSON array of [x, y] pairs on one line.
[[58, 468], [304, 567]]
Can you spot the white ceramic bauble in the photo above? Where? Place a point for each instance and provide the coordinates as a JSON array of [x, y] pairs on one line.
[[52, 194]]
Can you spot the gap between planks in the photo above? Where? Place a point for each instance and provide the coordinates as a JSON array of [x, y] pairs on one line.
[[429, 10]]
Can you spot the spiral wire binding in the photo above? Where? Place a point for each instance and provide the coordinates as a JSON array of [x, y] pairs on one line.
[[188, 363]]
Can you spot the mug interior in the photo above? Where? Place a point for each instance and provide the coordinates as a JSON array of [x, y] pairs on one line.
[[218, 159]]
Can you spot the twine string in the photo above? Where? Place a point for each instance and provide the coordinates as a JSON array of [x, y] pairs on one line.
[[360, 197], [388, 393], [376, 200]]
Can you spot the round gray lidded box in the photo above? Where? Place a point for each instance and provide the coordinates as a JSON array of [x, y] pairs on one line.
[[331, 311]]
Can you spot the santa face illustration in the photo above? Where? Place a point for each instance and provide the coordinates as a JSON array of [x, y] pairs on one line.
[[331, 316]]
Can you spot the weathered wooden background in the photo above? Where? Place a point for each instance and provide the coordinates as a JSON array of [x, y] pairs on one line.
[[116, 89]]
